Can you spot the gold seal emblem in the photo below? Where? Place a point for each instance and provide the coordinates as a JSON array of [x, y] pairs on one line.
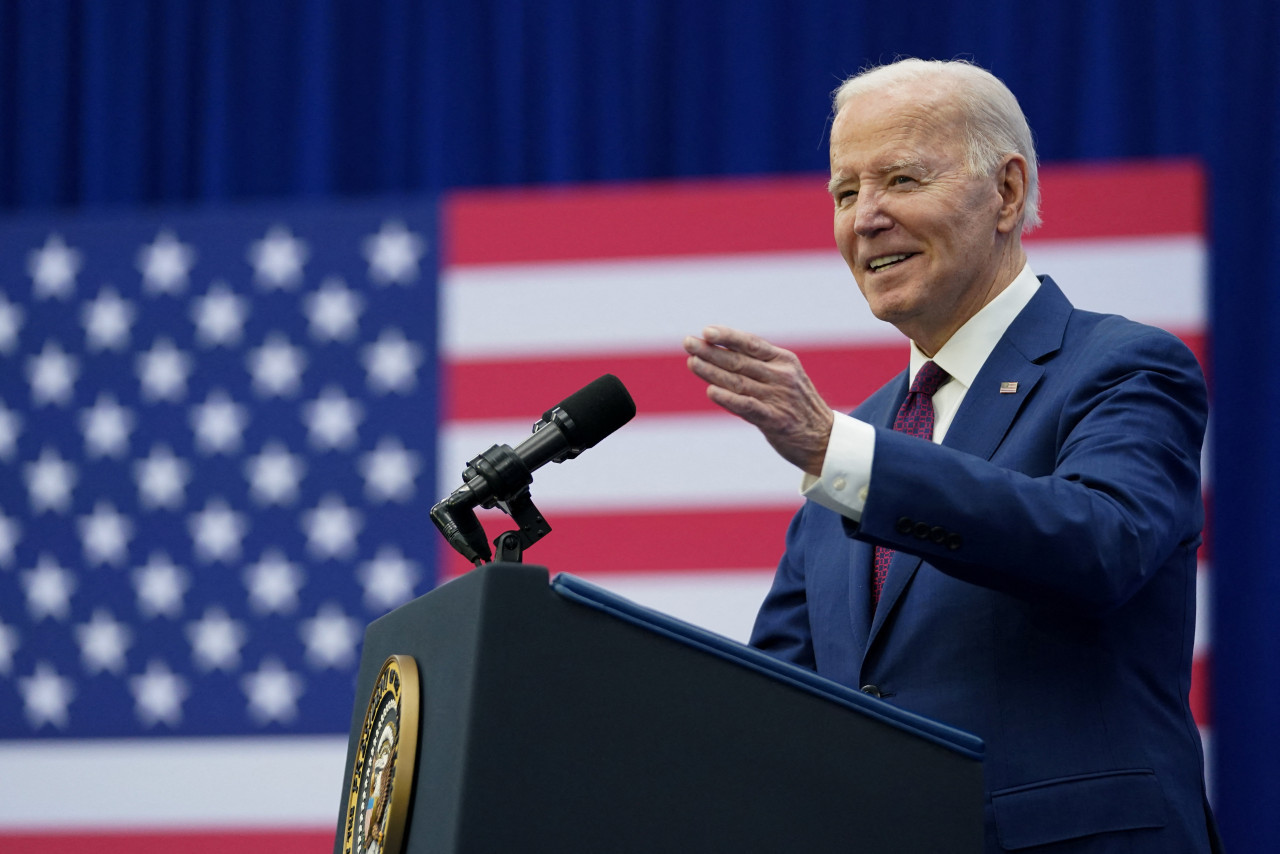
[[382, 771]]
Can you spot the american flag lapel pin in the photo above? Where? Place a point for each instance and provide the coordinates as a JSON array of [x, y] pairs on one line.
[[1008, 388]]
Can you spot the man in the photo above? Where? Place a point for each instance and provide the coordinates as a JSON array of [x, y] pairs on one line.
[[1035, 539]]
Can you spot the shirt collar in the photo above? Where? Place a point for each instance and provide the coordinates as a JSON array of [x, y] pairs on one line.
[[968, 348]]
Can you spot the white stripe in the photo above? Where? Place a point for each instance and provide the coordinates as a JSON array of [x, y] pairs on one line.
[[1157, 280], [172, 783], [1204, 604], [640, 305], [649, 305], [652, 462]]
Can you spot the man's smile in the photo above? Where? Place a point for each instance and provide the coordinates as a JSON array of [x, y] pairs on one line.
[[883, 262]]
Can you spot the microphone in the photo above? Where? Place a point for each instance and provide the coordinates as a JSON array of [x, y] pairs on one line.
[[500, 474]]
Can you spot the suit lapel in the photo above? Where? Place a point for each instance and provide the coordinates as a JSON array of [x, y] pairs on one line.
[[1010, 373], [986, 415]]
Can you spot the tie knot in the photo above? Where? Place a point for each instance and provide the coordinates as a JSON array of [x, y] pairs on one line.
[[929, 379]]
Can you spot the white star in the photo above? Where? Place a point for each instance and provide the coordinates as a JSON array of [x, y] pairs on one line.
[[103, 642], [9, 643], [388, 579], [10, 427], [274, 474], [105, 534], [333, 310], [107, 320], [216, 532], [49, 588], [389, 471], [332, 528], [160, 586], [216, 640], [332, 419], [273, 692], [106, 427], [10, 533], [50, 480], [218, 423], [219, 316], [392, 362], [52, 375], [53, 268], [163, 371], [158, 695], [165, 264], [46, 696], [162, 478], [278, 258], [393, 254], [276, 367], [273, 583], [11, 319], [331, 637]]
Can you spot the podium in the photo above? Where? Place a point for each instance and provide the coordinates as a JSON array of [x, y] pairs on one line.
[[559, 717]]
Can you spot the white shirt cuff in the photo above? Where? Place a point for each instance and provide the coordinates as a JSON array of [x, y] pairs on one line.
[[846, 470]]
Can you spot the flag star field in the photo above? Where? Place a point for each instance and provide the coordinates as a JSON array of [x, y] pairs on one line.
[[217, 435]]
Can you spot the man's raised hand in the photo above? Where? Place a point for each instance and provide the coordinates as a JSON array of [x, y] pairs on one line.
[[765, 386]]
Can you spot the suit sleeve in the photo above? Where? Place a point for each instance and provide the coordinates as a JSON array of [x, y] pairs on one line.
[[783, 629], [1092, 489]]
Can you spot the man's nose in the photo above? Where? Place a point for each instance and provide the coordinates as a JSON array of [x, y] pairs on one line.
[[870, 216]]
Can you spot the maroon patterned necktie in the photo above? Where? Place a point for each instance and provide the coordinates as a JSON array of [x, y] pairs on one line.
[[915, 416]]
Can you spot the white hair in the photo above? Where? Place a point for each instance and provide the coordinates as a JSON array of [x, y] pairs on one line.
[[994, 124]]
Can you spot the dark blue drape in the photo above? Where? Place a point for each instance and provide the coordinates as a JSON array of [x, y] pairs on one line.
[[144, 102]]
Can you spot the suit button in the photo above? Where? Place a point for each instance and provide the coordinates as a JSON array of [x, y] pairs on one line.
[[873, 690], [905, 524], [920, 531], [938, 534], [954, 542]]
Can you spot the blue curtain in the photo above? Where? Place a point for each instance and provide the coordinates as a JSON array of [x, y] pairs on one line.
[[145, 102]]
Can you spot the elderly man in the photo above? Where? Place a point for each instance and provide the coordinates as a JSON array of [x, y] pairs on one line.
[[1004, 537]]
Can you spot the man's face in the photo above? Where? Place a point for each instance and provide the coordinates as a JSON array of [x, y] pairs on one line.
[[926, 243]]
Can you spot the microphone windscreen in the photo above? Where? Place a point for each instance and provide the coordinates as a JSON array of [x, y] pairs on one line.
[[596, 410]]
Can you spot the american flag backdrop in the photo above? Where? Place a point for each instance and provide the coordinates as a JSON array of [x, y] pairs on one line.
[[221, 434]]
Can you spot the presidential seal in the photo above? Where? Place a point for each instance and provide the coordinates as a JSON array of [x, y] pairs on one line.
[[382, 771]]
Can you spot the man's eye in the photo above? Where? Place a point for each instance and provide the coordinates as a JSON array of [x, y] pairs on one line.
[[901, 179], [845, 197]]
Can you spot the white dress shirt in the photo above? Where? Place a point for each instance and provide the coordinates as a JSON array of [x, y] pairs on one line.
[[846, 470]]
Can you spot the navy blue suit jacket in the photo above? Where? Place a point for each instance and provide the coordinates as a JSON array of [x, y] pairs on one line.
[[1042, 595]]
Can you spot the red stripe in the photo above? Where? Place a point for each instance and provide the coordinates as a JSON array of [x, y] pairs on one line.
[[661, 384], [1120, 199], [211, 842], [695, 539], [1200, 696], [637, 220]]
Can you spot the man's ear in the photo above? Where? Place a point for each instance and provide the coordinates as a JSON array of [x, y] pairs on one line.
[[1011, 183]]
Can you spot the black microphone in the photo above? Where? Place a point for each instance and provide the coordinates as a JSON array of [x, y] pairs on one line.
[[578, 422]]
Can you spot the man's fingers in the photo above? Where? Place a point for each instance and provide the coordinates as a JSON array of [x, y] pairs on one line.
[[742, 342], [742, 354], [725, 378]]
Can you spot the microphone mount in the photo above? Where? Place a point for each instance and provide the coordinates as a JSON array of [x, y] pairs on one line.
[[509, 477]]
